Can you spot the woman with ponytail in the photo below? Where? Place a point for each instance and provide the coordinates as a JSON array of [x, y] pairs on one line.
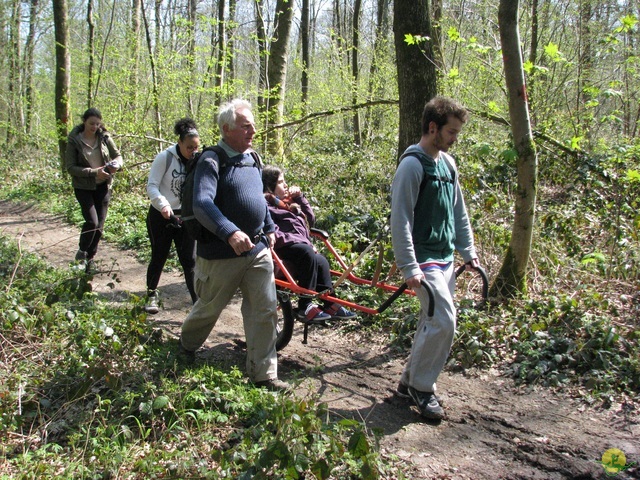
[[91, 159], [164, 187]]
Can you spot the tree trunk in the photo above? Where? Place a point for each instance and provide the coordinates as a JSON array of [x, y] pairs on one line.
[[357, 136], [511, 280], [191, 55], [63, 75], [221, 47], [438, 53], [29, 64], [230, 43], [338, 33], [14, 88], [209, 77], [533, 54], [135, 54], [277, 71], [304, 36], [261, 34], [90, 50], [158, 30], [417, 81], [585, 67], [375, 86], [154, 78], [103, 56]]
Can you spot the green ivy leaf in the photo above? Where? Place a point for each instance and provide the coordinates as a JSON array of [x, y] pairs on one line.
[[553, 51], [409, 39], [528, 67], [627, 24], [510, 155], [595, 257], [145, 408], [633, 176], [575, 143], [454, 35], [358, 444], [160, 402]]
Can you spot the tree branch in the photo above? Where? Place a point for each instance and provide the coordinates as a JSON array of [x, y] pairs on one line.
[[328, 113], [536, 134]]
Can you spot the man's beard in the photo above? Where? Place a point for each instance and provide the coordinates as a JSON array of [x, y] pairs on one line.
[[440, 144]]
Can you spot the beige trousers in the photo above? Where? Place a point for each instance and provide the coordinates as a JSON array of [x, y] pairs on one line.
[[216, 281]]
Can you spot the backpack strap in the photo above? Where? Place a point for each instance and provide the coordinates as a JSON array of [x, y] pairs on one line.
[[167, 163], [423, 183], [224, 160]]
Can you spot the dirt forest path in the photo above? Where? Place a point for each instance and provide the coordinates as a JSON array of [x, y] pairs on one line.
[[493, 429]]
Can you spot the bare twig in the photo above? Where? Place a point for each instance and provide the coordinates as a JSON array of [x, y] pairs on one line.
[[15, 268]]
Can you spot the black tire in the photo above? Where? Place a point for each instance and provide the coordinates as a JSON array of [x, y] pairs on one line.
[[285, 320]]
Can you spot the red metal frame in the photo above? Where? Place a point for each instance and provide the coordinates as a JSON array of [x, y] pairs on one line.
[[289, 283]]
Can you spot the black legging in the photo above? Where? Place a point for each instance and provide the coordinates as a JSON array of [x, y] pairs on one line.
[[94, 205], [161, 234], [311, 269]]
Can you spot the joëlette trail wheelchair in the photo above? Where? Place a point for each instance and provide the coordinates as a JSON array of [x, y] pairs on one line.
[[287, 288]]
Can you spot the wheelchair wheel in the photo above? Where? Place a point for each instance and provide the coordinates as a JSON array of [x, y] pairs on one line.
[[285, 320]]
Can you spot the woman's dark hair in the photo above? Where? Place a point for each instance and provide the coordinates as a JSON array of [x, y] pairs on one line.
[[270, 175], [186, 127], [91, 112], [88, 113]]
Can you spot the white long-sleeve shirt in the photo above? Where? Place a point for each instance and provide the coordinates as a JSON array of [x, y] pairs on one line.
[[166, 177]]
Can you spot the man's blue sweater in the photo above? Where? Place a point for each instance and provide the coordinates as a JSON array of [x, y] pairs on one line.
[[230, 200]]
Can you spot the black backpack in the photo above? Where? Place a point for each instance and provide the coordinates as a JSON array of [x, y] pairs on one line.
[[189, 221], [422, 159]]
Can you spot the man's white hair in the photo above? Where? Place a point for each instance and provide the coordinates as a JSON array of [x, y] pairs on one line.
[[227, 112]]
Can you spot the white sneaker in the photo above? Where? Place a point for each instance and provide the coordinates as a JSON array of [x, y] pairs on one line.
[[313, 313], [152, 303]]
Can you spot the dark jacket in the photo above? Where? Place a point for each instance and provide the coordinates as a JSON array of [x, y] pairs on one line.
[[82, 174], [293, 228], [230, 199]]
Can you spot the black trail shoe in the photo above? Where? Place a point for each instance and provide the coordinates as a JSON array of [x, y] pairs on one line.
[[427, 403], [186, 356], [402, 391]]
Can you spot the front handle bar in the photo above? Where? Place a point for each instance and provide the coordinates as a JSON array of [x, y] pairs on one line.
[[483, 275], [399, 292]]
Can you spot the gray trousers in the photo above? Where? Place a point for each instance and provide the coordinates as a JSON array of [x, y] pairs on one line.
[[434, 336], [216, 281]]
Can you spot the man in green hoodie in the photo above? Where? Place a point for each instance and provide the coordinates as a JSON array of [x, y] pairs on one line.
[[429, 222]]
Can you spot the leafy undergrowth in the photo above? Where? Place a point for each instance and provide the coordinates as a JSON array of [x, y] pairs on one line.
[[92, 391], [586, 342]]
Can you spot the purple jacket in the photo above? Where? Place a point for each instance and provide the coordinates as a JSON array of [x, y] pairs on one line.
[[292, 228]]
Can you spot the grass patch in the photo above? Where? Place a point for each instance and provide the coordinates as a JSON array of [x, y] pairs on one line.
[[88, 390]]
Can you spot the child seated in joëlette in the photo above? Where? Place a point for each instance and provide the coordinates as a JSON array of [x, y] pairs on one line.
[[293, 216]]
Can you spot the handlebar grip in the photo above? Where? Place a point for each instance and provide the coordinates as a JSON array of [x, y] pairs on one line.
[[392, 298], [399, 292], [432, 300], [483, 276]]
